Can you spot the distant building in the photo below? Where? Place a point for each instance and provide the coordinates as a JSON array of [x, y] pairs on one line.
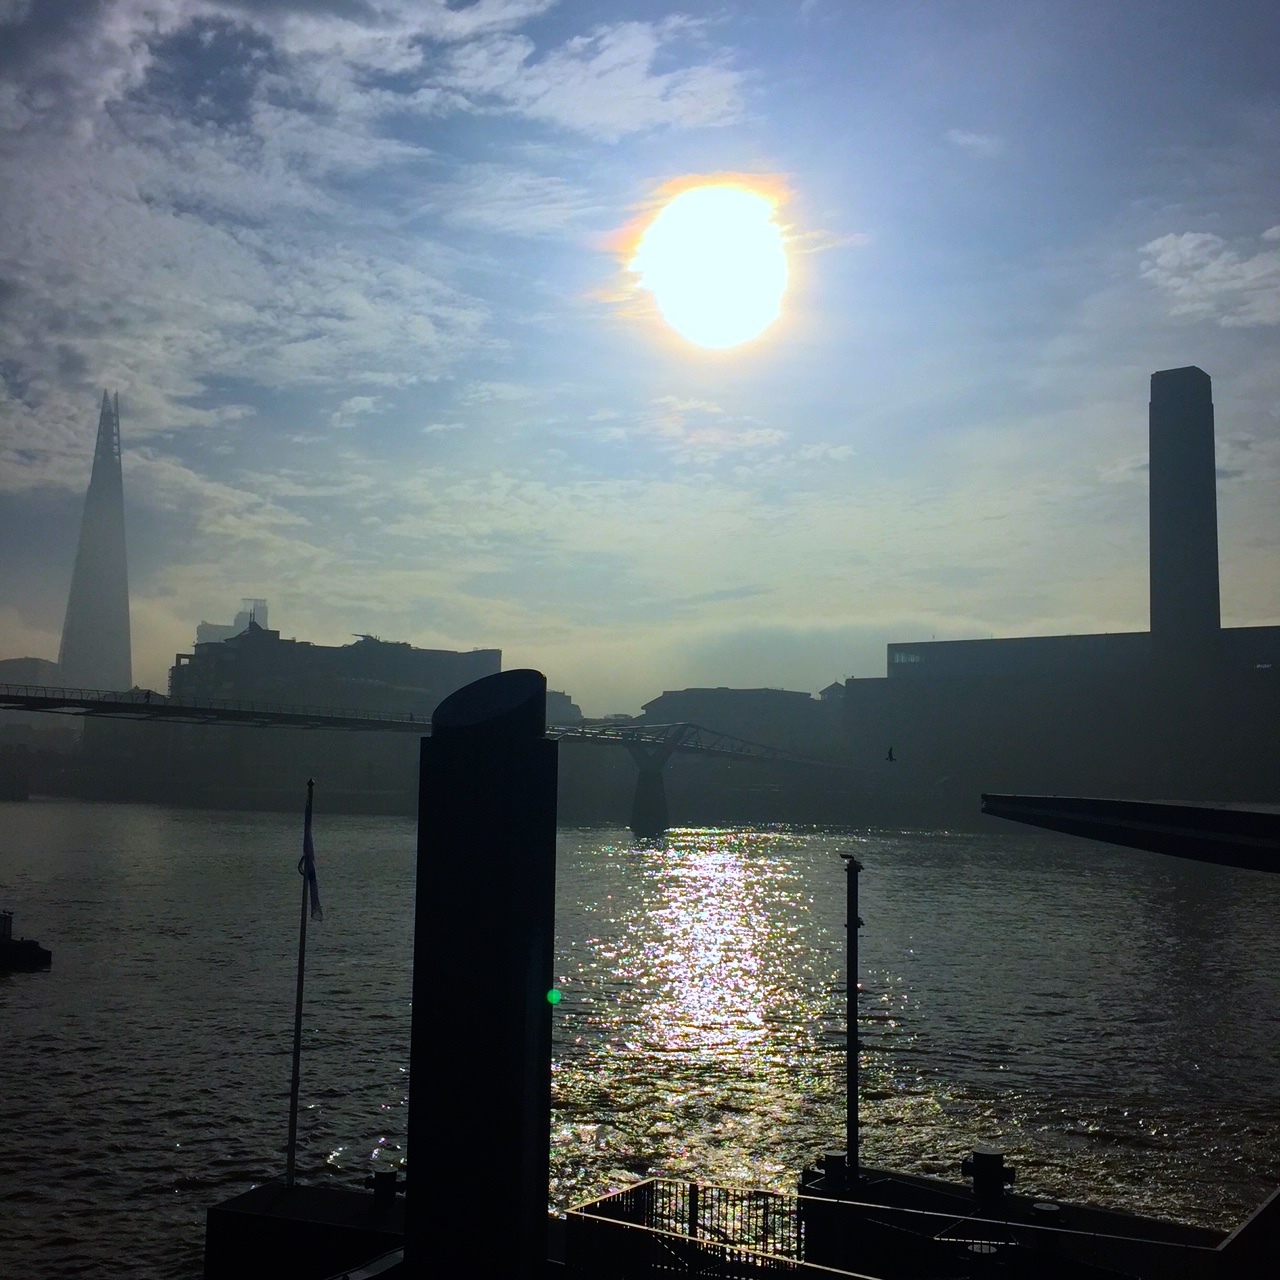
[[95, 652], [370, 675], [561, 709], [1185, 710], [28, 671], [781, 718], [251, 610]]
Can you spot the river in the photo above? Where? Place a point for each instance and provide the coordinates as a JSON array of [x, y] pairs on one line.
[[1109, 1018]]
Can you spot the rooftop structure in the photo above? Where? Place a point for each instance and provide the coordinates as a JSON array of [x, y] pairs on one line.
[[369, 675], [251, 610]]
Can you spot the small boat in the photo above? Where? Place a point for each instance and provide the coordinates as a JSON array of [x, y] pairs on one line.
[[21, 955]]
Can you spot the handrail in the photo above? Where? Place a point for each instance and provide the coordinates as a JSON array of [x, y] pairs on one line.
[[773, 1261], [891, 1210], [146, 699], [374, 1267]]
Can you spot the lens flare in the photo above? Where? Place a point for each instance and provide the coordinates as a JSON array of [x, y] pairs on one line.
[[716, 263]]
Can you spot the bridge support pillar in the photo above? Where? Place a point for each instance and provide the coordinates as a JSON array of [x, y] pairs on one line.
[[649, 816]]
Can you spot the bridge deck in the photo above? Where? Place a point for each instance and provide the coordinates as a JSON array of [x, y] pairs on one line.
[[146, 705]]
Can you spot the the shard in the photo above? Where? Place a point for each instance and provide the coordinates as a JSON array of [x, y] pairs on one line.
[[95, 651]]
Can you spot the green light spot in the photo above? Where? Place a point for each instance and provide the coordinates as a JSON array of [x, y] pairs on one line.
[[553, 996]]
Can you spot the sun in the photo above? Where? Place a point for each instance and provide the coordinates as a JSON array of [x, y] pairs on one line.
[[715, 261]]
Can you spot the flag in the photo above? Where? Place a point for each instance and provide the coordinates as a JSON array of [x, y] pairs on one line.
[[307, 863]]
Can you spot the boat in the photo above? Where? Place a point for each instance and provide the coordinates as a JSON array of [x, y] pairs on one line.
[[20, 955]]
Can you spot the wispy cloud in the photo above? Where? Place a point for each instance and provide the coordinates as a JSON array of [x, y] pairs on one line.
[[352, 409], [1206, 278], [509, 201], [986, 146], [604, 84], [693, 431]]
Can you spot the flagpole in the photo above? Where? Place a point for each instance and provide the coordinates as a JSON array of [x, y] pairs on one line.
[[290, 1162]]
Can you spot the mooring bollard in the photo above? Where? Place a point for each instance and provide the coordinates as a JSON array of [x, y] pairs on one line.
[[480, 1065]]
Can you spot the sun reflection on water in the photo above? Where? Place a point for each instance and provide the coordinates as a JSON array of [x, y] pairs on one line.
[[701, 1015]]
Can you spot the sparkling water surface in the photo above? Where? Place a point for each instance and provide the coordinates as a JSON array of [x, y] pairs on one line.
[[1109, 1018]]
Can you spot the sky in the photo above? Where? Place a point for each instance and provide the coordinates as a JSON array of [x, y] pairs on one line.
[[359, 272]]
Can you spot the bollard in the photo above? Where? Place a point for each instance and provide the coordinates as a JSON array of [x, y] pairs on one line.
[[480, 1049]]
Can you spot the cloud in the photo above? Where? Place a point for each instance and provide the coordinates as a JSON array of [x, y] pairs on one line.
[[986, 146], [509, 201], [1205, 278], [603, 84], [821, 452], [694, 431], [353, 408]]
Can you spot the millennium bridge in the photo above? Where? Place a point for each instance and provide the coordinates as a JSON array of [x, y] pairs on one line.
[[649, 745]]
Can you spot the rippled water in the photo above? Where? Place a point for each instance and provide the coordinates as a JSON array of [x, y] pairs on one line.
[[1108, 1018]]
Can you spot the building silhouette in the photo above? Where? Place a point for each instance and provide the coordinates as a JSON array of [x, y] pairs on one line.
[[1185, 613], [1186, 710], [251, 610], [785, 718], [95, 651], [258, 665]]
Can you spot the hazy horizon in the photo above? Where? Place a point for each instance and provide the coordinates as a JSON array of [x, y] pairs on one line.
[[359, 274]]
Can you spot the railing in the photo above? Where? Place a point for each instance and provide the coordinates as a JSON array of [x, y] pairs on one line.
[[659, 1227], [147, 700], [766, 1221]]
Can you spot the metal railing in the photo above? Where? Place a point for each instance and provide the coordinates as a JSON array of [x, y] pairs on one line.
[[659, 1227], [767, 1221], [147, 701]]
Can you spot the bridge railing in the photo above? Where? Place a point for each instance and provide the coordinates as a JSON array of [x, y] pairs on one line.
[[145, 698]]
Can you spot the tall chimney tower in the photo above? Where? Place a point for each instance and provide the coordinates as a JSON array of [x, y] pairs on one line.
[[1185, 611], [95, 651]]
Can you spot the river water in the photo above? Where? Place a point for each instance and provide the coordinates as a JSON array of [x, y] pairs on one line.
[[1109, 1018]]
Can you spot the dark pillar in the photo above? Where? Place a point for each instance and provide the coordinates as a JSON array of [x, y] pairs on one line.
[[649, 817], [1185, 616], [480, 1067], [649, 807], [852, 923]]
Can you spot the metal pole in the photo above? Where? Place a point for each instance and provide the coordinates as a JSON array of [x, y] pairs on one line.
[[853, 922], [290, 1159]]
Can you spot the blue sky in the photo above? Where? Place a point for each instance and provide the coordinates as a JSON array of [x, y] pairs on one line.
[[355, 271]]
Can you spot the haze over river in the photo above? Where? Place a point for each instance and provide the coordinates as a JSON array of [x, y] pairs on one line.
[[1110, 1018]]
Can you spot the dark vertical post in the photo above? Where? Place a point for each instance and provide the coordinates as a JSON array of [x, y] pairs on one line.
[[480, 1065], [649, 816], [296, 1080], [1185, 610], [853, 922]]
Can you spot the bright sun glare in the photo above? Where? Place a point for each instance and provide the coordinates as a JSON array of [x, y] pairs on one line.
[[715, 263]]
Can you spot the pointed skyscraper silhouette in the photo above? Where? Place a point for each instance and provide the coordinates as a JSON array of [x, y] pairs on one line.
[[95, 651]]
